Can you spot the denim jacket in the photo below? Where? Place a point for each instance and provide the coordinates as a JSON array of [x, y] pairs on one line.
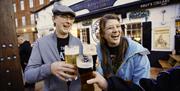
[[135, 64]]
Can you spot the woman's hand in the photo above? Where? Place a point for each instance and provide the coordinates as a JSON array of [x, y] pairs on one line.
[[99, 80]]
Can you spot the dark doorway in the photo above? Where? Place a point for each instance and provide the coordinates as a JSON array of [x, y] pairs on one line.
[[147, 35]]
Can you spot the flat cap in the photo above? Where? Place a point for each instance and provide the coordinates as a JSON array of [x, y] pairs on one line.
[[62, 9]]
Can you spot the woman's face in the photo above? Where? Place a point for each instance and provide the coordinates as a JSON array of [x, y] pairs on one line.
[[112, 32]]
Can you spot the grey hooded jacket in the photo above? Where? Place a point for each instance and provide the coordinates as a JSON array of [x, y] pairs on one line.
[[43, 54]]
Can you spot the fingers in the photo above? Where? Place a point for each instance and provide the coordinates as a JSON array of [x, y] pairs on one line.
[[63, 70], [91, 81], [66, 65], [63, 75]]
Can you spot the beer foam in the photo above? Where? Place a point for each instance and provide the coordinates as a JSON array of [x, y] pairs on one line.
[[71, 50], [82, 64], [89, 49]]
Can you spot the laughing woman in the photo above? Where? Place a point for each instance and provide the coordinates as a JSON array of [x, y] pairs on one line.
[[118, 55]]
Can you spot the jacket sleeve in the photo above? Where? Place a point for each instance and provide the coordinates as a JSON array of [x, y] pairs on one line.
[[99, 58], [141, 68], [36, 70]]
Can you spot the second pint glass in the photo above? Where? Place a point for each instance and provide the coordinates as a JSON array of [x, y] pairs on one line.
[[85, 68]]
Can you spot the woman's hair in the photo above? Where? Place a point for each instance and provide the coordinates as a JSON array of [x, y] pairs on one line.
[[122, 47]]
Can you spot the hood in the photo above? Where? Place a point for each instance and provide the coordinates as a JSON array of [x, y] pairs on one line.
[[134, 48]]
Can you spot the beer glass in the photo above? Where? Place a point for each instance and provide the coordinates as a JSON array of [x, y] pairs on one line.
[[85, 66], [71, 53]]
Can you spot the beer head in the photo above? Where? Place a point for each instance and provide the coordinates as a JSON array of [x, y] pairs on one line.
[[71, 50], [89, 49], [84, 62]]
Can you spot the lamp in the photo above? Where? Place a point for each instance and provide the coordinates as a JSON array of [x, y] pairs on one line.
[[163, 12]]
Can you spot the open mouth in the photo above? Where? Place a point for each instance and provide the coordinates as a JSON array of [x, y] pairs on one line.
[[66, 26], [115, 37]]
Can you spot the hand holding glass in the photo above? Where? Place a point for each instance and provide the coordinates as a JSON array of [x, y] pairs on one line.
[[71, 53]]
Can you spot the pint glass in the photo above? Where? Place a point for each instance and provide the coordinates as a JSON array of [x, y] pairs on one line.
[[85, 68], [71, 53]]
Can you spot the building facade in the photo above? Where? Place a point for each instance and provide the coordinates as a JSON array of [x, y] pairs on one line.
[[24, 19], [153, 23]]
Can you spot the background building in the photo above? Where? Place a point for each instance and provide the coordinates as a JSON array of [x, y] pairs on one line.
[[24, 19], [152, 23]]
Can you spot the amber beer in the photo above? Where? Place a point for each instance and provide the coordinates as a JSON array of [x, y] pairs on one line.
[[71, 53], [85, 68]]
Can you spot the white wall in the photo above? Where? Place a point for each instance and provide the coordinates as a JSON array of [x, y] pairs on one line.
[[169, 22], [156, 18], [44, 21]]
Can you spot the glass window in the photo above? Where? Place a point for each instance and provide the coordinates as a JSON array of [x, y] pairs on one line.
[[41, 2], [177, 27], [32, 19], [23, 21], [31, 3], [16, 22], [22, 4], [14, 6], [85, 35], [50, 0], [134, 31]]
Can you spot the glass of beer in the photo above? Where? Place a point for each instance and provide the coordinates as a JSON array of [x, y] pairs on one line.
[[71, 53], [85, 67]]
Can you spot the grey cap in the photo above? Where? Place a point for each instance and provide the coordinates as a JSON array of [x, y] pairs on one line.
[[62, 9]]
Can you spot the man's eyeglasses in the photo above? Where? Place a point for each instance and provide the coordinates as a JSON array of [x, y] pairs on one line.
[[67, 17]]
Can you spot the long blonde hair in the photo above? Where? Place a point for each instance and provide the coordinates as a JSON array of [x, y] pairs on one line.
[[122, 47]]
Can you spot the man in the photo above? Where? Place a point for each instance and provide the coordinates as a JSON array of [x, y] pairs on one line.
[[24, 53], [47, 59]]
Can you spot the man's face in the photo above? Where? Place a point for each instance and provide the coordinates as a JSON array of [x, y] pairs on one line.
[[20, 40], [63, 23]]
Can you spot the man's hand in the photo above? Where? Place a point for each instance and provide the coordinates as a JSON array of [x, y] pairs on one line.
[[61, 70]]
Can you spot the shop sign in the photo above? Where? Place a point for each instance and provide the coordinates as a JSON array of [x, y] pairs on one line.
[[95, 31], [161, 38], [155, 3], [92, 5], [138, 14]]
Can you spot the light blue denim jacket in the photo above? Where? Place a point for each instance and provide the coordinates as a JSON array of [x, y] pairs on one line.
[[44, 53], [136, 64]]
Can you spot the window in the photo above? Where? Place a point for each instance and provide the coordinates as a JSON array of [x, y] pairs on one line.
[[14, 6], [41, 2], [50, 0], [32, 18], [23, 21], [16, 22], [22, 4], [177, 27], [85, 35], [134, 31], [31, 3]]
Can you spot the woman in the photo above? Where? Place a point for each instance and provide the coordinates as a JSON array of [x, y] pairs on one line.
[[118, 55]]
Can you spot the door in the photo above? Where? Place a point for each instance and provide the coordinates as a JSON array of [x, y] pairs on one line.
[[10, 68], [147, 35]]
